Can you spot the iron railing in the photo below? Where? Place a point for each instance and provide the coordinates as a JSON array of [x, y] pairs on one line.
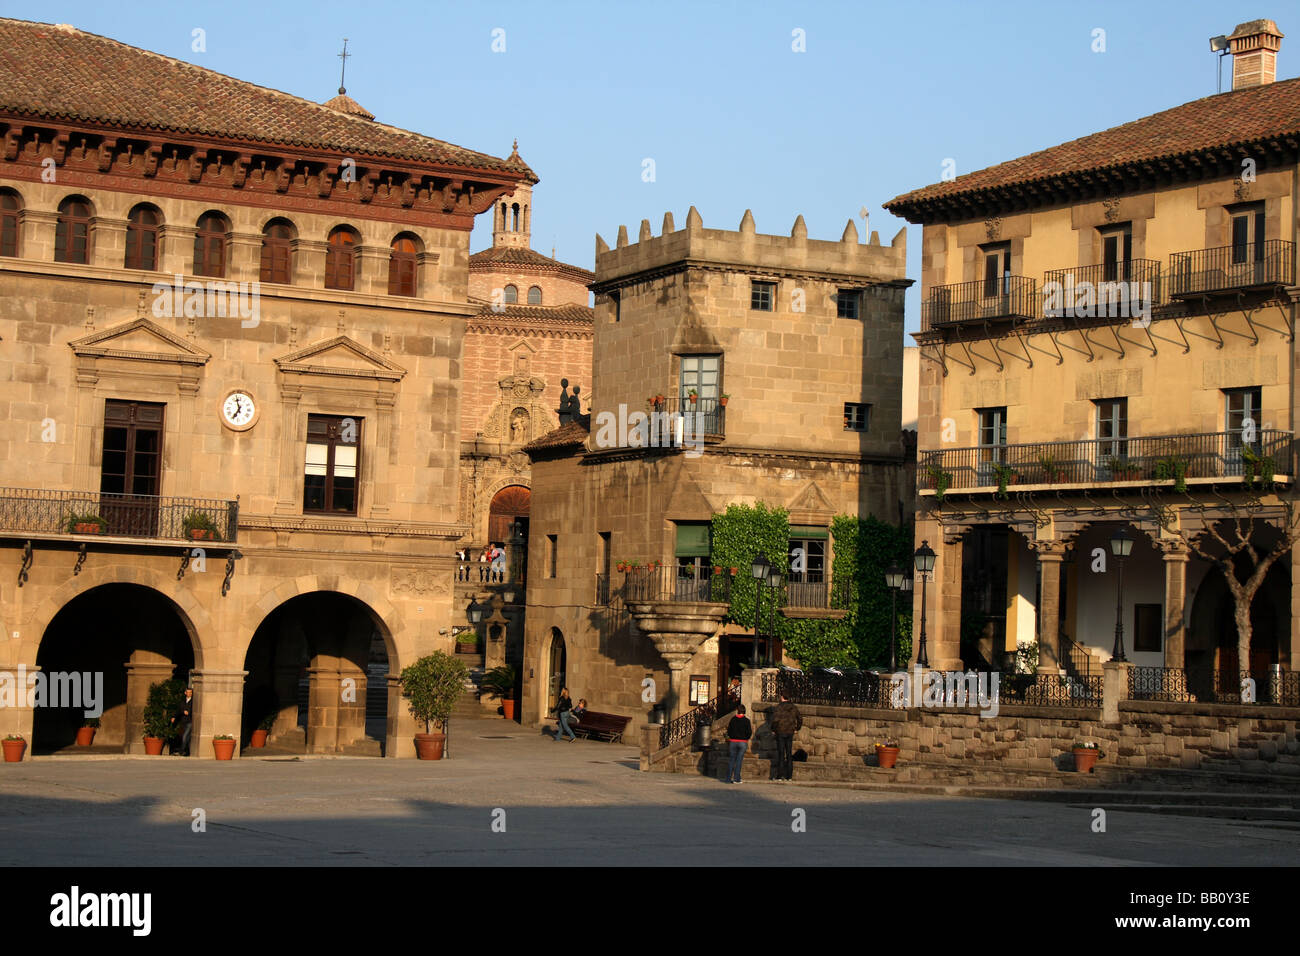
[[1176, 685], [1076, 660], [603, 590], [678, 422], [852, 688], [1138, 458], [1117, 290], [813, 591], [1048, 691], [1243, 265], [44, 511], [684, 726], [989, 300], [676, 585]]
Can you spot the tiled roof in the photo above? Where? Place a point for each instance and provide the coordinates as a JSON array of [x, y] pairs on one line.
[[1219, 122], [61, 73], [566, 436], [520, 256], [542, 313]]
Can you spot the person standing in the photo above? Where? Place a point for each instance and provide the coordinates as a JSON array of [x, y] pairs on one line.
[[739, 732], [562, 709], [483, 563], [184, 721], [786, 721]]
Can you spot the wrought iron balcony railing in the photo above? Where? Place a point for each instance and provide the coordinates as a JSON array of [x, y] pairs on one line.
[[1237, 267], [1007, 297], [676, 585], [1145, 458], [680, 421], [40, 511], [815, 591], [1107, 290]]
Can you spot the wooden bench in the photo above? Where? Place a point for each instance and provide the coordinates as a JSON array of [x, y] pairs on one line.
[[602, 726]]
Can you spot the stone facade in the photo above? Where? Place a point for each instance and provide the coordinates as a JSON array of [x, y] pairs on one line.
[[664, 304]]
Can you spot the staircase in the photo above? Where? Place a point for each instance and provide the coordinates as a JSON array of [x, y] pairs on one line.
[[469, 705]]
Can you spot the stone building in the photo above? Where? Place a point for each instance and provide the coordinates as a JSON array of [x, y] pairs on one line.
[[772, 367], [1107, 342], [233, 328]]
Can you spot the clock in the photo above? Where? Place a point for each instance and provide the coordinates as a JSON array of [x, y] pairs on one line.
[[239, 411]]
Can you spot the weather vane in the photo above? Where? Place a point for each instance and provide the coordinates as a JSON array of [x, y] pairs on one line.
[[344, 69]]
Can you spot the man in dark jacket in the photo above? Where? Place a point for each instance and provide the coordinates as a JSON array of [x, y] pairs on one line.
[[184, 721], [739, 732], [785, 721]]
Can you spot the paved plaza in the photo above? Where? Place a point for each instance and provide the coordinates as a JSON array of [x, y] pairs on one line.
[[564, 804]]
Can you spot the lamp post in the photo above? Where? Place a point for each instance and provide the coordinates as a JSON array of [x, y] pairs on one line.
[[759, 571], [893, 581], [924, 558], [1121, 546], [773, 583]]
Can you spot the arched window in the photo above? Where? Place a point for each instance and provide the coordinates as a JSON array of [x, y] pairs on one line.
[[277, 252], [512, 295], [72, 233], [402, 266], [505, 219], [9, 206], [210, 245], [340, 258], [514, 218], [142, 227], [535, 295]]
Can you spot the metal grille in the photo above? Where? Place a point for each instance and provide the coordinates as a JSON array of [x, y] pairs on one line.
[[684, 726], [1175, 685], [42, 511]]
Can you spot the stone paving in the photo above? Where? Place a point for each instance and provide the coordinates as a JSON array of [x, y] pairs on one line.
[[564, 804]]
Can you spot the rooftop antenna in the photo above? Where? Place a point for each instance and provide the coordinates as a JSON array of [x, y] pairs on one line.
[[344, 69], [1219, 45]]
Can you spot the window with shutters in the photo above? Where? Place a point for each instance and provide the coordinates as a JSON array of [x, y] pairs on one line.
[[333, 465], [9, 209], [277, 252], [340, 259], [72, 232], [210, 239], [402, 264], [143, 225]]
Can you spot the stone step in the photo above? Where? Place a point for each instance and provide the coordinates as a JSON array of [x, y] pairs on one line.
[[365, 747]]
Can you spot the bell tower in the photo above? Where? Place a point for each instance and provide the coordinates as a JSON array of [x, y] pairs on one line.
[[512, 220]]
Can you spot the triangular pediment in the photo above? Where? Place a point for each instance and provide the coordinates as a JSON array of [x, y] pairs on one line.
[[141, 340], [340, 356], [810, 506]]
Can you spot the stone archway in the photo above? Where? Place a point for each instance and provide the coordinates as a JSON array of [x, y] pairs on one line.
[[1211, 649], [112, 641], [556, 664], [509, 505]]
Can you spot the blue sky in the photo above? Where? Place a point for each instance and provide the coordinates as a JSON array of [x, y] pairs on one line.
[[713, 92]]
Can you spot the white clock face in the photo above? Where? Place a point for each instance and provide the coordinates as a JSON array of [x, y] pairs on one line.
[[238, 410]]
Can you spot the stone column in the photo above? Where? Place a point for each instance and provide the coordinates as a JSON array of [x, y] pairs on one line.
[[140, 676], [1175, 554], [323, 709], [751, 687], [942, 594], [218, 708], [245, 257], [1114, 689], [37, 235], [176, 249], [309, 263], [1050, 556], [352, 704], [286, 693], [371, 263], [426, 274], [108, 242], [401, 725]]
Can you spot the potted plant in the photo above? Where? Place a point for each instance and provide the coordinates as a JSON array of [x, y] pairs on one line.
[[86, 732], [223, 745], [500, 682], [199, 527], [88, 523], [467, 642], [887, 753], [1122, 469], [14, 746], [1005, 475], [939, 480], [723, 399], [1257, 467], [1052, 470], [693, 396], [258, 738], [432, 685], [1086, 755], [163, 701]]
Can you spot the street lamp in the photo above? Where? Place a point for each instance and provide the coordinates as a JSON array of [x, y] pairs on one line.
[[1221, 46], [773, 583], [1121, 546], [474, 612], [924, 558], [758, 570], [893, 581]]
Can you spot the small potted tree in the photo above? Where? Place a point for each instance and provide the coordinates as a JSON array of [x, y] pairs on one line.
[[86, 732], [887, 754], [14, 747], [500, 683], [1086, 755], [432, 685], [88, 523], [223, 745], [199, 527], [258, 738], [693, 395], [161, 705]]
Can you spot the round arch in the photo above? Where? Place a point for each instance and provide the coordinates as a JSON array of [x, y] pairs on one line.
[[555, 661], [508, 505], [374, 602]]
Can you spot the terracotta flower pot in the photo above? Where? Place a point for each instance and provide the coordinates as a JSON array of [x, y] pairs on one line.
[[201, 534], [224, 749], [1085, 758], [258, 738], [508, 707], [429, 746], [88, 527], [153, 746], [723, 402], [886, 756], [14, 750], [85, 736]]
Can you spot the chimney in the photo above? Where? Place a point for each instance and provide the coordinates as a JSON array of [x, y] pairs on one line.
[[1254, 47]]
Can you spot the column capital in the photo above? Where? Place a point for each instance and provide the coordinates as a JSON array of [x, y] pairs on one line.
[[1173, 549], [1048, 549]]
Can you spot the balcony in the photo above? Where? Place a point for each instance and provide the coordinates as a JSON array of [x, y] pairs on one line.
[[1113, 293], [1236, 268], [1008, 298], [674, 585], [39, 512], [680, 421], [1146, 459]]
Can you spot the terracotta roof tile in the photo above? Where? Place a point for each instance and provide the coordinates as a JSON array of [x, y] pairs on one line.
[[567, 313], [1225, 120], [59, 72], [566, 436], [519, 256]]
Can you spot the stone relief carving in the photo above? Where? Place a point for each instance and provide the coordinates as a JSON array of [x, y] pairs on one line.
[[1111, 209], [993, 227], [419, 581]]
